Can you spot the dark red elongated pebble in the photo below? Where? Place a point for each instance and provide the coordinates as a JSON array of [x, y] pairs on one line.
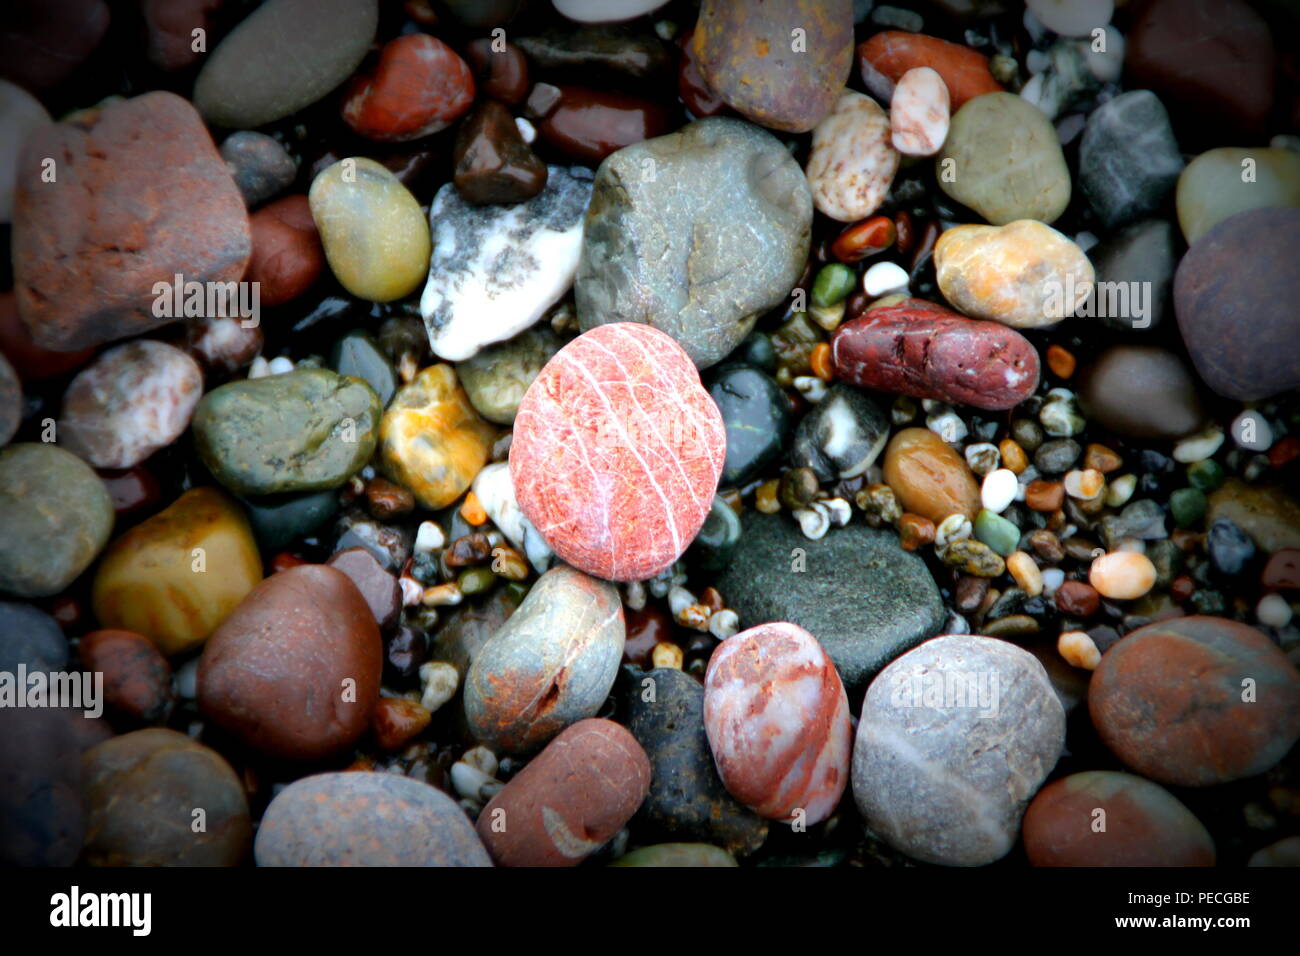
[[500, 74], [587, 125], [923, 350]]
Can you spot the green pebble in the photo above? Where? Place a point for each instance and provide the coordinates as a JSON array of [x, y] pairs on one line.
[[997, 532], [475, 581], [1187, 505], [833, 284], [1206, 475]]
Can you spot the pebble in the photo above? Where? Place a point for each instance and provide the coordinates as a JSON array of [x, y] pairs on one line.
[[1142, 252], [1231, 295], [1079, 650], [365, 819], [1282, 570], [31, 638], [616, 52], [1223, 182], [687, 799], [137, 678], [998, 490], [177, 575], [926, 351], [262, 168], [778, 724], [975, 557], [494, 165], [887, 56], [617, 452], [144, 168], [1129, 159], [284, 56], [954, 739], [1198, 446], [1104, 818], [44, 543], [884, 278], [677, 855], [929, 478], [1251, 431], [997, 532], [895, 604], [754, 60], [128, 403], [1056, 456], [419, 87], [756, 415], [22, 115], [550, 666], [587, 125], [1230, 548], [11, 402], [288, 256], [373, 230], [141, 790], [358, 355], [1265, 512], [715, 545], [1141, 391], [718, 178], [305, 430], [1072, 18], [1003, 160], [497, 377], [496, 270], [1122, 575], [919, 112], [42, 805], [1024, 274], [293, 672], [500, 70], [1273, 611], [842, 436], [1196, 701], [606, 11], [380, 589], [570, 799], [853, 161], [495, 491]]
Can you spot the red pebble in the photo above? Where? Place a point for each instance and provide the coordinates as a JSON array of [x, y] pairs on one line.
[[920, 349], [420, 87], [287, 253], [137, 679], [1282, 453], [501, 74], [645, 628], [777, 720], [865, 238], [617, 452], [1283, 570], [965, 71], [1078, 599], [132, 490], [587, 125], [32, 362]]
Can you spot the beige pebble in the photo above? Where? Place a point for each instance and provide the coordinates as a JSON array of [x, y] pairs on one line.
[[1079, 650], [1122, 575], [1086, 484], [1026, 572], [666, 655], [852, 162], [918, 113]]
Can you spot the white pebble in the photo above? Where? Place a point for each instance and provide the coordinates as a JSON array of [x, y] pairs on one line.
[[1251, 431], [999, 490], [469, 781], [1119, 491], [811, 387], [526, 129], [1053, 578], [634, 595], [679, 599], [955, 527], [439, 680], [1273, 611], [724, 623], [1072, 18], [1198, 447], [884, 278], [918, 114], [412, 591], [429, 538], [814, 522], [482, 759], [947, 425], [279, 365], [187, 679], [839, 510], [982, 457], [260, 368]]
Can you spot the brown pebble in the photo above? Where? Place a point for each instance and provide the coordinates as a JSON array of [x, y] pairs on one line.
[[1013, 456], [1078, 599], [1060, 361], [387, 500], [380, 589], [1101, 458], [137, 678], [1047, 546], [1044, 495], [970, 592], [1282, 572], [914, 531], [928, 477], [396, 721]]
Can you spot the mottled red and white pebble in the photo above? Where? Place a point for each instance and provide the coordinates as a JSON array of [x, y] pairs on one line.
[[923, 350], [129, 402], [420, 87], [777, 719], [570, 799], [617, 452], [853, 161], [919, 112], [223, 343]]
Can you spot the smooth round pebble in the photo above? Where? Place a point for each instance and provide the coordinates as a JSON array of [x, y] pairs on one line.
[[1122, 575], [853, 160], [919, 112]]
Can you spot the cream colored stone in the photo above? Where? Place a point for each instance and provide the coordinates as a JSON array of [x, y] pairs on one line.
[[918, 113], [852, 162]]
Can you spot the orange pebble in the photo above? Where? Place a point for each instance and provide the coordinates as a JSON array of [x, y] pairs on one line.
[[965, 71], [820, 360], [284, 561], [472, 511], [1013, 456], [865, 238], [915, 531], [1101, 458], [396, 721], [1044, 495], [1060, 361]]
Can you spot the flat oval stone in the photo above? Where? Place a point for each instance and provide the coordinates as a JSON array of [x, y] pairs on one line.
[[432, 442], [781, 65], [1232, 296], [141, 792], [1003, 160], [1222, 182], [1129, 160], [677, 855], [569, 800], [756, 414], [497, 269], [288, 256], [137, 678], [305, 430], [497, 377], [284, 56], [129, 402], [778, 723], [853, 160], [617, 452], [1143, 824], [687, 799], [1024, 274], [551, 665], [779, 575], [890, 54], [1196, 701], [841, 436], [177, 575], [727, 202], [55, 517], [419, 87], [1141, 391], [365, 819], [293, 672], [374, 233], [919, 113], [929, 478], [954, 739]]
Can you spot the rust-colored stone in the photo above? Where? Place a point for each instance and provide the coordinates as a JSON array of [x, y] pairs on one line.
[[965, 72], [137, 679]]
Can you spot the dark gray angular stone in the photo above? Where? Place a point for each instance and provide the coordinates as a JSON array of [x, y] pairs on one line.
[[1143, 252], [842, 435], [1129, 160]]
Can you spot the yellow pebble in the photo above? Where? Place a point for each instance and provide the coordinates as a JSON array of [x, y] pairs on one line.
[[1013, 456], [1122, 575], [765, 499], [1079, 650], [1025, 570], [666, 655], [472, 511]]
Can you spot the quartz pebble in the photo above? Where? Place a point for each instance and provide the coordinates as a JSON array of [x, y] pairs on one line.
[[884, 278], [954, 739], [1079, 650], [998, 490], [777, 719], [852, 162], [129, 402], [1122, 575], [618, 412], [497, 269], [419, 87], [919, 112], [1196, 701]]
